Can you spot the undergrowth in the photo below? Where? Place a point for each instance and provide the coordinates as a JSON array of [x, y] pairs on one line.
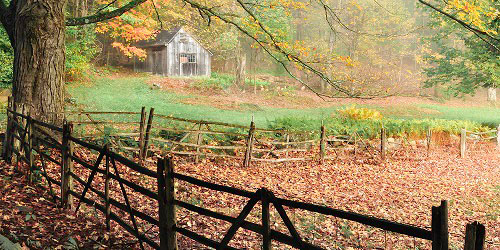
[[219, 81], [368, 128]]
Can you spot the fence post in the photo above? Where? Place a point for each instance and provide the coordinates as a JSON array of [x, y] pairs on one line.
[[106, 188], [80, 125], [248, 152], [166, 207], [287, 140], [141, 131], [146, 136], [67, 166], [322, 144], [29, 154], [439, 226], [266, 224], [6, 142], [498, 137], [198, 143], [383, 143], [429, 141], [474, 236], [355, 143], [463, 137]]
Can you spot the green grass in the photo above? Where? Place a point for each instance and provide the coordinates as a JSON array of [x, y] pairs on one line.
[[489, 116], [130, 94]]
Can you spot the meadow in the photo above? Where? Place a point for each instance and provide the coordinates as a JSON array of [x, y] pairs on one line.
[[130, 93]]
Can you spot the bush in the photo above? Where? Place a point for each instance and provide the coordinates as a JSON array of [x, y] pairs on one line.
[[368, 128], [6, 59], [215, 82], [218, 81], [354, 113]]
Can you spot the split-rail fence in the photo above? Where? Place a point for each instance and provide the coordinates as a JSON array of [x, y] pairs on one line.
[[187, 137], [26, 136]]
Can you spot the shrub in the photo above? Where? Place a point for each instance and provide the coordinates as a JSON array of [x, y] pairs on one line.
[[215, 82], [355, 113], [371, 128], [6, 59], [256, 82], [219, 81]]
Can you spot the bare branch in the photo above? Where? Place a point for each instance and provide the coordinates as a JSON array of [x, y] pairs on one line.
[[210, 12], [336, 17], [105, 15], [294, 58], [157, 14]]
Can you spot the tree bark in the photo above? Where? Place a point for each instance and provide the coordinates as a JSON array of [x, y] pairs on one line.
[[492, 94], [39, 55], [241, 61]]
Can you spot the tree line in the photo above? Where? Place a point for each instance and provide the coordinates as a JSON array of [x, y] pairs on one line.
[[336, 48]]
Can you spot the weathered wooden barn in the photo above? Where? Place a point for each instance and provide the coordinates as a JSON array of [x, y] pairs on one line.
[[174, 53]]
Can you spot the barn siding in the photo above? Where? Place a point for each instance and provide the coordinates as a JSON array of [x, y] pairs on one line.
[[149, 60]]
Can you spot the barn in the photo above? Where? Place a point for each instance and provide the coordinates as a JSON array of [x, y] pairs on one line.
[[174, 53]]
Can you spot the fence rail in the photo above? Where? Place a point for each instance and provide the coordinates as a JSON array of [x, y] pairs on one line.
[[198, 138], [22, 140], [192, 140], [465, 135], [266, 197]]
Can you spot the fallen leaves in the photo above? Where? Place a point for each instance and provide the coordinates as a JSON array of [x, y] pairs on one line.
[[402, 189]]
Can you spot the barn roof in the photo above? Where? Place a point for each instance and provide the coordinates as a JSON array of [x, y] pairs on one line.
[[162, 39]]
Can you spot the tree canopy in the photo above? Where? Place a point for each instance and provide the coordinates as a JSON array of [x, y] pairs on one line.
[[463, 61], [344, 45]]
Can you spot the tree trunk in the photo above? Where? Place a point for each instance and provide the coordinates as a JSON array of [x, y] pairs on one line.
[[492, 94], [241, 61], [39, 58], [437, 91]]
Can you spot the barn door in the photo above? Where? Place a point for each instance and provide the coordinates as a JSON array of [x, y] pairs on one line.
[[157, 62]]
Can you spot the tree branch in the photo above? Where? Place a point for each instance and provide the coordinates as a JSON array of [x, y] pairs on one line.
[[476, 31], [105, 15]]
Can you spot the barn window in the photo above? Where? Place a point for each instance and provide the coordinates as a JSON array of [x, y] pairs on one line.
[[183, 38], [188, 58]]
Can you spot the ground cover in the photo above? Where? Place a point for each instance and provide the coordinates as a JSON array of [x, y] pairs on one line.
[[29, 216], [402, 189]]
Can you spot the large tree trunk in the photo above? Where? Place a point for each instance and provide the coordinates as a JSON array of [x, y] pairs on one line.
[[492, 94], [39, 58]]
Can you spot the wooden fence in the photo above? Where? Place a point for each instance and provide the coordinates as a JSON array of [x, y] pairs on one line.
[[189, 137], [31, 135], [465, 135]]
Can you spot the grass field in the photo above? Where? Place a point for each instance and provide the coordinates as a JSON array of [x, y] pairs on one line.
[[131, 93]]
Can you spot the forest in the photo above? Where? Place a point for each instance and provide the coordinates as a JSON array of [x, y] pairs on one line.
[[245, 124]]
